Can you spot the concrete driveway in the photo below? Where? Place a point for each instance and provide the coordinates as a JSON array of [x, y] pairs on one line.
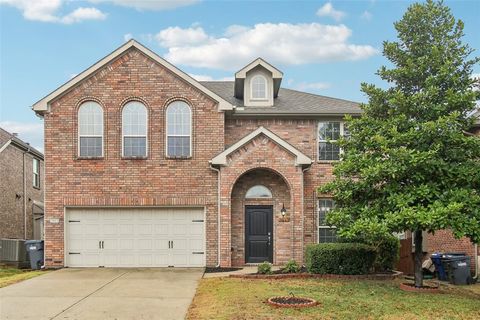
[[102, 293]]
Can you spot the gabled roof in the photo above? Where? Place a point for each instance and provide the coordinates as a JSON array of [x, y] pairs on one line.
[[300, 160], [24, 146], [241, 75], [42, 105], [289, 102]]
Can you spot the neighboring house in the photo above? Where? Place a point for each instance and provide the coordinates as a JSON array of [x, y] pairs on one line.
[[21, 189], [148, 167]]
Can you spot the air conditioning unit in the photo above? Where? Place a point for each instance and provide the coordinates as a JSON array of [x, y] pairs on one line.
[[13, 252]]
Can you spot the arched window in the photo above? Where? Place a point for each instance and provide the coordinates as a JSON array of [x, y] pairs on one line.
[[134, 129], [90, 130], [179, 130], [258, 191], [259, 87]]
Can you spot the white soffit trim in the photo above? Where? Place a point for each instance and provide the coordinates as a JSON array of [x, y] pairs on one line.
[[300, 160], [42, 105], [276, 74], [5, 145]]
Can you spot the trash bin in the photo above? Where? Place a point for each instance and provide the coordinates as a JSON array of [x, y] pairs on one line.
[[35, 253], [445, 264], [440, 270], [459, 270]]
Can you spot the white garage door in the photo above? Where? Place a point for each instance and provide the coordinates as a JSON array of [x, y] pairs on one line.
[[135, 237]]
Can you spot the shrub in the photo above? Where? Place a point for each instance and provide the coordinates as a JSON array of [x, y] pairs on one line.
[[265, 268], [340, 258], [388, 252], [291, 267]]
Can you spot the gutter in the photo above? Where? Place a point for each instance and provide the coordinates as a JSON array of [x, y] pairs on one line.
[[218, 214]]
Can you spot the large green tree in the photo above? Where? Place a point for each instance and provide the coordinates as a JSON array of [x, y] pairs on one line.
[[409, 163]]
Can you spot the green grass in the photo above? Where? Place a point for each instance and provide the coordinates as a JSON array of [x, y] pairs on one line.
[[228, 298], [10, 276]]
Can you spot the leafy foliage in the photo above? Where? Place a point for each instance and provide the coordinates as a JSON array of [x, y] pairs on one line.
[[340, 258], [265, 268], [408, 164], [291, 267]]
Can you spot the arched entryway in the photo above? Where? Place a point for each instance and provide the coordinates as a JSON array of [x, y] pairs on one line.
[[259, 232]]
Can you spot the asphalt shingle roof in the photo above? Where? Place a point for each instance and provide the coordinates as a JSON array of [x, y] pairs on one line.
[[288, 102]]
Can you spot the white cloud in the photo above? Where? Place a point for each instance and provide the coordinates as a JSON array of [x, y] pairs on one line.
[[127, 37], [149, 4], [312, 86], [281, 43], [81, 14], [327, 10], [28, 132], [203, 77], [366, 15], [176, 36], [47, 11]]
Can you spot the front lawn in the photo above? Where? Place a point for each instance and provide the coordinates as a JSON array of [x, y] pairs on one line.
[[10, 276], [229, 298]]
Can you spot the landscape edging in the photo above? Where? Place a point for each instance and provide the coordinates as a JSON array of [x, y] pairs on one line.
[[318, 276]]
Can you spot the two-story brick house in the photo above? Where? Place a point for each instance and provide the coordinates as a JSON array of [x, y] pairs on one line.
[[21, 188], [148, 167]]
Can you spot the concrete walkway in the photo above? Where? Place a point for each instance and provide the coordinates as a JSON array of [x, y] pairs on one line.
[[244, 270], [102, 293]]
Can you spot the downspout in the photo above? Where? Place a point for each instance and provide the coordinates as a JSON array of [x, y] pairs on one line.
[[218, 215], [476, 261], [24, 198], [303, 211]]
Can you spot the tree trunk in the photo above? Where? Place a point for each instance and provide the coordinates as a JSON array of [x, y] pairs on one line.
[[418, 238]]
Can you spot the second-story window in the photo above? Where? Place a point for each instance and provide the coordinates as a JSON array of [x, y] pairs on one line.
[[259, 87], [328, 133], [134, 129], [36, 173], [90, 130], [179, 130]]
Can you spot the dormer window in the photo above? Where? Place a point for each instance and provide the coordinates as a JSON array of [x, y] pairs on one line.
[[259, 87]]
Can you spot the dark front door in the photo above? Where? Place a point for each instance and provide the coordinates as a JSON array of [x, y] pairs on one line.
[[258, 234]]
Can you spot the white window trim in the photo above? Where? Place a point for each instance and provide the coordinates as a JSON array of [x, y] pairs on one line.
[[179, 135], [342, 131], [318, 219], [135, 136], [265, 97], [259, 185], [90, 135], [35, 174]]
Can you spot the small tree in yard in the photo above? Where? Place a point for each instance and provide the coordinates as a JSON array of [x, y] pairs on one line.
[[409, 164]]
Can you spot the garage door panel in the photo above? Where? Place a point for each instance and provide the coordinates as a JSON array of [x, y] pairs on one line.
[[136, 237]]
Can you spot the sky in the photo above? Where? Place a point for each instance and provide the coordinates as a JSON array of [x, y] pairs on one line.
[[323, 47]]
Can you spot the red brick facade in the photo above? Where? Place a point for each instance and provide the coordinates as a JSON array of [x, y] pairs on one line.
[[160, 181], [113, 181]]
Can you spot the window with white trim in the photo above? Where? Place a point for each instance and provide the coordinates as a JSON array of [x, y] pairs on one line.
[[326, 233], [259, 87], [134, 129], [36, 173], [179, 130], [90, 130], [258, 191], [328, 134]]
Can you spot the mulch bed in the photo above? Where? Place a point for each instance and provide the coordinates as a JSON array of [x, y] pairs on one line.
[[410, 287], [376, 276], [219, 269], [291, 302]]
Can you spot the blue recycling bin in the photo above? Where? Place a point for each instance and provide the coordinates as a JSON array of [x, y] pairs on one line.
[[437, 261]]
